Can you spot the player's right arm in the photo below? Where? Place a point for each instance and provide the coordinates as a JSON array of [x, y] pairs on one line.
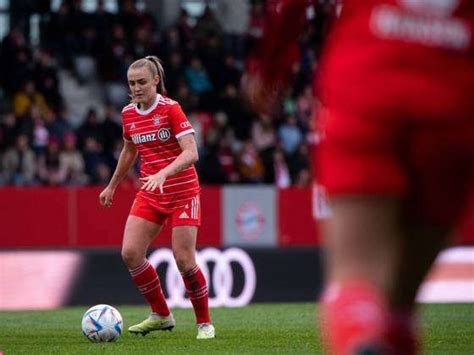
[[128, 155]]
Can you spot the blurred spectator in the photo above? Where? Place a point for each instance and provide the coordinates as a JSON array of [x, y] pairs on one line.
[[207, 26], [174, 73], [58, 34], [209, 167], [233, 17], [171, 43], [184, 27], [263, 133], [299, 162], [264, 139], [187, 100], [255, 29], [71, 162], [303, 179], [229, 74], [90, 128], [290, 135], [56, 125], [40, 136], [249, 163], [48, 164], [281, 173], [102, 21], [46, 79], [111, 130], [26, 124], [227, 161], [26, 98], [143, 43], [197, 77], [93, 159], [113, 60], [7, 131], [304, 106], [18, 163], [131, 18], [102, 174], [15, 66], [240, 120], [211, 54]]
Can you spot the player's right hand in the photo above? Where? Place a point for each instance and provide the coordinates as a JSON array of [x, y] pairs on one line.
[[106, 197]]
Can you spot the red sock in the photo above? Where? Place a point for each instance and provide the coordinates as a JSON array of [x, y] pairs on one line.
[[197, 291], [401, 333], [148, 283], [353, 319]]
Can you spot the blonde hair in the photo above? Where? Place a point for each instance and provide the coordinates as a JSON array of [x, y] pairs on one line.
[[153, 64]]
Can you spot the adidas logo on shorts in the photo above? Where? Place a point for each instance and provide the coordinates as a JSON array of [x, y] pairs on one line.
[[183, 215]]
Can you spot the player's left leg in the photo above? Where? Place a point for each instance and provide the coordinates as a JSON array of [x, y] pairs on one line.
[[184, 251]]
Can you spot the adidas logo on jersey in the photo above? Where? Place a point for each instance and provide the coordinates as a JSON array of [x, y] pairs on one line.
[[183, 215]]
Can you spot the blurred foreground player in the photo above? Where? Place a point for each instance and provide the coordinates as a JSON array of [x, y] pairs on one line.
[[396, 81], [155, 127]]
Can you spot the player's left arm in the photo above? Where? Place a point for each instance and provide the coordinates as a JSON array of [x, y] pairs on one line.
[[185, 159]]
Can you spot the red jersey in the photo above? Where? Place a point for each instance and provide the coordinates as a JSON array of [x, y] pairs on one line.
[[155, 133], [380, 48], [397, 78]]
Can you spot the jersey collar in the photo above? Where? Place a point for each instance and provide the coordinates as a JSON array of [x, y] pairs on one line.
[[152, 107]]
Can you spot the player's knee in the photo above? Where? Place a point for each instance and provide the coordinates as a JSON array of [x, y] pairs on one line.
[[184, 260], [132, 258]]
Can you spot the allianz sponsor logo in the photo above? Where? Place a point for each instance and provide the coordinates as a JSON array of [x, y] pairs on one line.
[[390, 22], [143, 138]]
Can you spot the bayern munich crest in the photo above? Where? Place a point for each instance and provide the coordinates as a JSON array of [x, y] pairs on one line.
[[250, 221]]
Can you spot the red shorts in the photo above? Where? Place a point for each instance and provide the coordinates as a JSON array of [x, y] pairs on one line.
[[430, 165], [189, 214]]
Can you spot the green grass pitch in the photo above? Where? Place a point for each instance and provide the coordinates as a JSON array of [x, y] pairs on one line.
[[256, 329]]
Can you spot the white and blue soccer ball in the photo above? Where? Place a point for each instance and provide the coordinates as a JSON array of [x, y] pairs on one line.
[[102, 323]]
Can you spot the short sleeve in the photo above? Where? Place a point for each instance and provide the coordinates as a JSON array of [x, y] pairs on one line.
[[125, 131], [180, 125]]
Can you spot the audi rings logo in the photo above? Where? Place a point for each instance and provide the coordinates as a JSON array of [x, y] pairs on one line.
[[221, 280]]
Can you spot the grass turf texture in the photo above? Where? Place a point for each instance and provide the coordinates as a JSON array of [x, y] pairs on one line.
[[256, 329]]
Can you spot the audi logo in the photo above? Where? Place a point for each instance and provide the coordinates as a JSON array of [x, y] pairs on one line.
[[222, 279]]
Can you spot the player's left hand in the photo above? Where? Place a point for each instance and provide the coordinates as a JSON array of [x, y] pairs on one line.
[[151, 182]]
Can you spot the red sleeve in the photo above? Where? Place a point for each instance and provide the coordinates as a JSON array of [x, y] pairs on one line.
[[125, 131], [180, 125]]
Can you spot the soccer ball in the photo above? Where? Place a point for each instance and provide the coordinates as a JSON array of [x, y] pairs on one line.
[[102, 323]]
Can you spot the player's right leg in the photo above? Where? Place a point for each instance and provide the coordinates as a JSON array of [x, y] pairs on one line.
[[139, 233], [362, 238]]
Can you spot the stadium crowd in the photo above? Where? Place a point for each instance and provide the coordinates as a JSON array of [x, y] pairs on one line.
[[204, 59]]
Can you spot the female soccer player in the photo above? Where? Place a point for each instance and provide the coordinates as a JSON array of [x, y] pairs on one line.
[[155, 127], [397, 161]]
